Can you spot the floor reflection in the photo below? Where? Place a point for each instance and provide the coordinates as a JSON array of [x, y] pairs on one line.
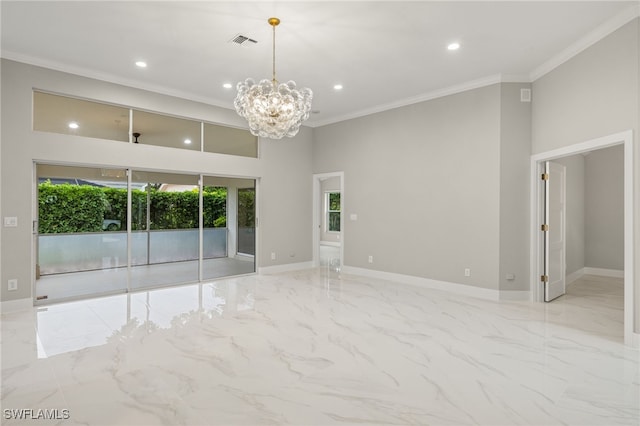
[[76, 325]]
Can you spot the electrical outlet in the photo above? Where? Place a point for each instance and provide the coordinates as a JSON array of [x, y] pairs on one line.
[[467, 272], [273, 255], [370, 259], [12, 285]]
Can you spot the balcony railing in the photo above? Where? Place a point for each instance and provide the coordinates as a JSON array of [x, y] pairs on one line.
[[61, 253]]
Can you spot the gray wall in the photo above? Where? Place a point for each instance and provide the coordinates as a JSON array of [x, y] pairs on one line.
[[575, 212], [515, 151], [604, 208], [594, 94], [424, 181], [286, 200], [284, 168], [329, 184]]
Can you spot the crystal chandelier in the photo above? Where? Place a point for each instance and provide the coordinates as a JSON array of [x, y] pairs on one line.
[[273, 109]]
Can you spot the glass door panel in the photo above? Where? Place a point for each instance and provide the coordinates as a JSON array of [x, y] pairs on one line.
[[246, 221], [220, 228], [247, 224], [81, 237], [165, 229]]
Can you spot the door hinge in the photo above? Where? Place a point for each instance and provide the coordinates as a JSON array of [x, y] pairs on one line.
[[544, 227], [544, 278], [544, 176]]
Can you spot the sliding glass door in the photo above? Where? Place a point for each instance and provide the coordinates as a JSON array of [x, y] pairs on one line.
[[102, 231], [81, 232], [165, 247]]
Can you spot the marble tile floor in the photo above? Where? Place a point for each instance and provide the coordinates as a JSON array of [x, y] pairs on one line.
[[317, 347]]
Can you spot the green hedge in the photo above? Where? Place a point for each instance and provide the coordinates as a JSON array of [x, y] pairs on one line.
[[70, 208], [84, 208]]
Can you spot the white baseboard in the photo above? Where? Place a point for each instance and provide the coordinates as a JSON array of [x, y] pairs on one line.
[[330, 243], [16, 305], [467, 290], [266, 270], [574, 276], [614, 273], [245, 257], [515, 295]]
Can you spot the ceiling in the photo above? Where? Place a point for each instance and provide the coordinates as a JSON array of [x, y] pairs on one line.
[[384, 54]]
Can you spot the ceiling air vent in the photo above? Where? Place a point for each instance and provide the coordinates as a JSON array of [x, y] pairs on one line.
[[242, 40]]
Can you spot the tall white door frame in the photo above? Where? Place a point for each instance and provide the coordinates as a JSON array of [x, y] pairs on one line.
[[317, 218], [631, 336]]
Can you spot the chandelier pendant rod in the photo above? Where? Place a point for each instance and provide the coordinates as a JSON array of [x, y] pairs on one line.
[[274, 23]]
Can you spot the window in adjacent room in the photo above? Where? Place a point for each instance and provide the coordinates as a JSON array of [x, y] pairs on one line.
[[332, 203]]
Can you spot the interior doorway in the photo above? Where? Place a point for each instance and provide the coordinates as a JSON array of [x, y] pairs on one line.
[[537, 240], [328, 219]]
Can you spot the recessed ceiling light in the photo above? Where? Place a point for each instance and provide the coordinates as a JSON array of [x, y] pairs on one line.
[[73, 125], [187, 141], [227, 85], [453, 46], [141, 64], [337, 87]]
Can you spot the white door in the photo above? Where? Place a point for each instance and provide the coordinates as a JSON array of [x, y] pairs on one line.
[[554, 231]]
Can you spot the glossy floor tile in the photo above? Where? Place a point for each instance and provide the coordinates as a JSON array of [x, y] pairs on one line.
[[318, 347]]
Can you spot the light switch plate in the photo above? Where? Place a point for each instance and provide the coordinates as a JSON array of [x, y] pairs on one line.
[[10, 222]]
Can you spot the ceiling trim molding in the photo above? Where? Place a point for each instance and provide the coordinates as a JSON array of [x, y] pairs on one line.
[[440, 93], [110, 78], [587, 41]]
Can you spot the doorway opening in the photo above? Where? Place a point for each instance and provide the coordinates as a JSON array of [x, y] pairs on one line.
[[537, 261], [328, 220]]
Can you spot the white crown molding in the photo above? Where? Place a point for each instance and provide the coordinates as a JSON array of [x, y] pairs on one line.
[[440, 93], [587, 41], [487, 81], [590, 39], [515, 78], [109, 78]]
